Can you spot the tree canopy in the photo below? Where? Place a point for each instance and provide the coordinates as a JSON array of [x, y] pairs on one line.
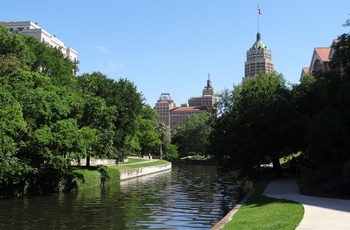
[[50, 117]]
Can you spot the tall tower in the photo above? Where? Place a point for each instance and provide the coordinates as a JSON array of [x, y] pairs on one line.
[[208, 97], [258, 58]]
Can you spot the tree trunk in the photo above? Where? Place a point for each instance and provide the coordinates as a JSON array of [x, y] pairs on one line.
[[277, 166], [88, 161], [160, 151]]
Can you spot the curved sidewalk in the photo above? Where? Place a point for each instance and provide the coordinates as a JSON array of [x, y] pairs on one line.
[[320, 213]]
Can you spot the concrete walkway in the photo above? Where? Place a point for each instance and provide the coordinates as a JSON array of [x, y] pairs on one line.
[[320, 213]]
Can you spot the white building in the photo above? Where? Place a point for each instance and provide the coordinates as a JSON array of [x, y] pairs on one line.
[[32, 29]]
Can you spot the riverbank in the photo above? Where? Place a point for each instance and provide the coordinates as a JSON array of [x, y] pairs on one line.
[[144, 170], [258, 211], [95, 176]]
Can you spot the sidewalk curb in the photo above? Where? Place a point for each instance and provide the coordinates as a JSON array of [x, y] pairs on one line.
[[229, 215]]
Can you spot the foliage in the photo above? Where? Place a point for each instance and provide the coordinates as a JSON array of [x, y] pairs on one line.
[[193, 137], [50, 117], [170, 152], [104, 174], [164, 135], [255, 125], [147, 135]]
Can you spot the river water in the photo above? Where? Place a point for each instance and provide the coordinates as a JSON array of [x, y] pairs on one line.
[[186, 197]]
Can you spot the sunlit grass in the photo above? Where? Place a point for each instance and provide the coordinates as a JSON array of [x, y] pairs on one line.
[[141, 165], [262, 212], [133, 160]]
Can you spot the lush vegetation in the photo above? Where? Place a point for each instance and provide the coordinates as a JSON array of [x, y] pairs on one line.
[[262, 212], [50, 117], [192, 138], [263, 120]]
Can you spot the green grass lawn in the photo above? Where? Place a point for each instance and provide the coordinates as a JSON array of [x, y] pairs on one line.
[[133, 160], [126, 166], [262, 212]]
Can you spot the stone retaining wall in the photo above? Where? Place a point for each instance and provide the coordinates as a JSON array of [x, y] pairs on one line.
[[95, 162], [133, 173]]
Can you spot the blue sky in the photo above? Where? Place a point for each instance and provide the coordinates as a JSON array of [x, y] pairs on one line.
[[171, 45]]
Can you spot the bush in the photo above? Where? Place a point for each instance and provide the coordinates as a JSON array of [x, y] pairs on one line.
[[170, 152], [104, 174]]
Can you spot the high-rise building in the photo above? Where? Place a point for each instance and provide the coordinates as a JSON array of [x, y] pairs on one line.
[[173, 116], [163, 107], [32, 29], [259, 58], [208, 97]]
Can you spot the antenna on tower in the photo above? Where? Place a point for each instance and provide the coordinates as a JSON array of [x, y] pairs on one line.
[[259, 12], [208, 81]]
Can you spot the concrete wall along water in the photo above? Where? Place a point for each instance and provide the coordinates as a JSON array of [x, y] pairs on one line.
[[133, 173]]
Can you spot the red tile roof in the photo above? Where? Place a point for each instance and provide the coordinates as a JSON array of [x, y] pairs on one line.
[[188, 109], [323, 53], [306, 70]]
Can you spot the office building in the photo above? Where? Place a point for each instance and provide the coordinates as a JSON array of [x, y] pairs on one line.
[[259, 58], [174, 116], [207, 99]]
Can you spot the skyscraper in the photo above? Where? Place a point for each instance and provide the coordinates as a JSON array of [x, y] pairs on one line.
[[258, 58]]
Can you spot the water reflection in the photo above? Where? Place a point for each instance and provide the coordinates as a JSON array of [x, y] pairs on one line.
[[187, 197]]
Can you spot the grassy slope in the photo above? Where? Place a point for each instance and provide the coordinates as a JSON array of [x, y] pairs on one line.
[[128, 165], [262, 212]]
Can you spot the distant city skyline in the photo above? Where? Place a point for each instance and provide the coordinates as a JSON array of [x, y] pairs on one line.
[[171, 46]]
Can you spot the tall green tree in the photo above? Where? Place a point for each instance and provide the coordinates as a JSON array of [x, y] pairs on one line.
[[164, 135], [121, 95], [148, 137], [255, 127], [12, 125]]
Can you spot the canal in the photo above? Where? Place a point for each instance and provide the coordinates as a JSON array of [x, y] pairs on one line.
[[187, 197]]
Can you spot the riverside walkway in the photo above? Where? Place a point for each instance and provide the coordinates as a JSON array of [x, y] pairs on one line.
[[319, 212]]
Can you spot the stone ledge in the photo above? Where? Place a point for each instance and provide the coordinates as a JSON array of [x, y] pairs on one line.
[[133, 173]]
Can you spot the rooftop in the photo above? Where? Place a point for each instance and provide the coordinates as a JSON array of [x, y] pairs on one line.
[[258, 44], [323, 53]]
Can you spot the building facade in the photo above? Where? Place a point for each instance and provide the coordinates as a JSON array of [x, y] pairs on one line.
[[208, 97], [163, 108], [32, 29], [174, 116], [259, 58], [323, 59]]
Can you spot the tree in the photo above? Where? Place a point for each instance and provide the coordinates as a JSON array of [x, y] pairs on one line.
[[170, 152], [49, 61], [255, 126], [121, 95], [164, 134], [14, 170], [193, 137], [148, 137]]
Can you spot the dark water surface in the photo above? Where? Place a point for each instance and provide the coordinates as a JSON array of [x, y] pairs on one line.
[[187, 197]]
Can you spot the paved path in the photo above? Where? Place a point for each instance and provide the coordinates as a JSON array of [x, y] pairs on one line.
[[320, 213]]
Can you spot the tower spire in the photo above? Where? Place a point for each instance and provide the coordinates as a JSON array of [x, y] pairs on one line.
[[208, 81], [259, 12]]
